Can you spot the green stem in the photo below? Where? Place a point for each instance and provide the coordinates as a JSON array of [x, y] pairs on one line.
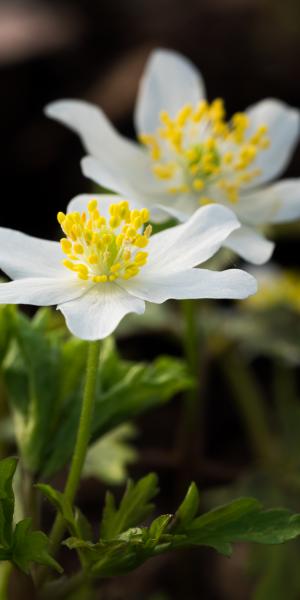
[[82, 440], [250, 403], [63, 588], [5, 572]]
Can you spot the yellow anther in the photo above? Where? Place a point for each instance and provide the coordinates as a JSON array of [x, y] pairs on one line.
[[145, 215], [181, 189], [100, 278], [141, 258], [130, 231], [228, 158], [107, 238], [67, 263], [75, 231], [217, 111], [66, 245], [148, 231], [78, 248], [93, 259], [194, 169], [107, 251], [114, 222], [61, 217], [137, 222], [183, 114], [120, 239], [210, 143], [199, 149], [204, 200], [116, 267], [198, 184], [141, 241], [163, 171], [92, 205], [165, 118], [191, 154], [151, 142], [200, 111]]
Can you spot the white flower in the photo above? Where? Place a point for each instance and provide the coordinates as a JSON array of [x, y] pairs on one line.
[[191, 155], [100, 271]]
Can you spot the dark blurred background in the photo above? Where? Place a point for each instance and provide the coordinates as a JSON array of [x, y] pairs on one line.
[[95, 50]]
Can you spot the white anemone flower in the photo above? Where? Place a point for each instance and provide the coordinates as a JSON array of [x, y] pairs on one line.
[[191, 155], [100, 271]]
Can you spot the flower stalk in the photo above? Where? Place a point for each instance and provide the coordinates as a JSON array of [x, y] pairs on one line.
[[82, 440]]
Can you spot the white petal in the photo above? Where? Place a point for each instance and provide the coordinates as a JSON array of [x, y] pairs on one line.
[[96, 314], [193, 242], [98, 135], [41, 291], [250, 245], [194, 283], [22, 255], [276, 203], [118, 162], [136, 184], [283, 130], [169, 82], [286, 194], [181, 209]]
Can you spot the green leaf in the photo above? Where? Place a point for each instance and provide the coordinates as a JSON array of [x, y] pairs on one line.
[[36, 382], [7, 501], [31, 547], [62, 504], [242, 520], [111, 558], [124, 546], [124, 391], [157, 529], [135, 506], [108, 457], [188, 508], [75, 520]]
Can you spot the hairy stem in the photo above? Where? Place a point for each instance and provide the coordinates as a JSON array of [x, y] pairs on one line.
[[81, 445]]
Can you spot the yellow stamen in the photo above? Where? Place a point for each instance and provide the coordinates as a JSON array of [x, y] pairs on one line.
[[104, 250]]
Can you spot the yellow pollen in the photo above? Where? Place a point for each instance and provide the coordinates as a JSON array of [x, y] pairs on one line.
[[101, 251], [198, 150], [163, 171], [198, 184]]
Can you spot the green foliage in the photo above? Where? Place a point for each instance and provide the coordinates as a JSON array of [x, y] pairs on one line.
[[31, 547], [19, 544], [125, 542], [272, 332], [44, 372], [109, 456], [6, 316], [7, 500], [135, 506], [243, 520]]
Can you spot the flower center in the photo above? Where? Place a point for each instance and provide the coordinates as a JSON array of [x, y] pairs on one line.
[[100, 249], [199, 152]]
